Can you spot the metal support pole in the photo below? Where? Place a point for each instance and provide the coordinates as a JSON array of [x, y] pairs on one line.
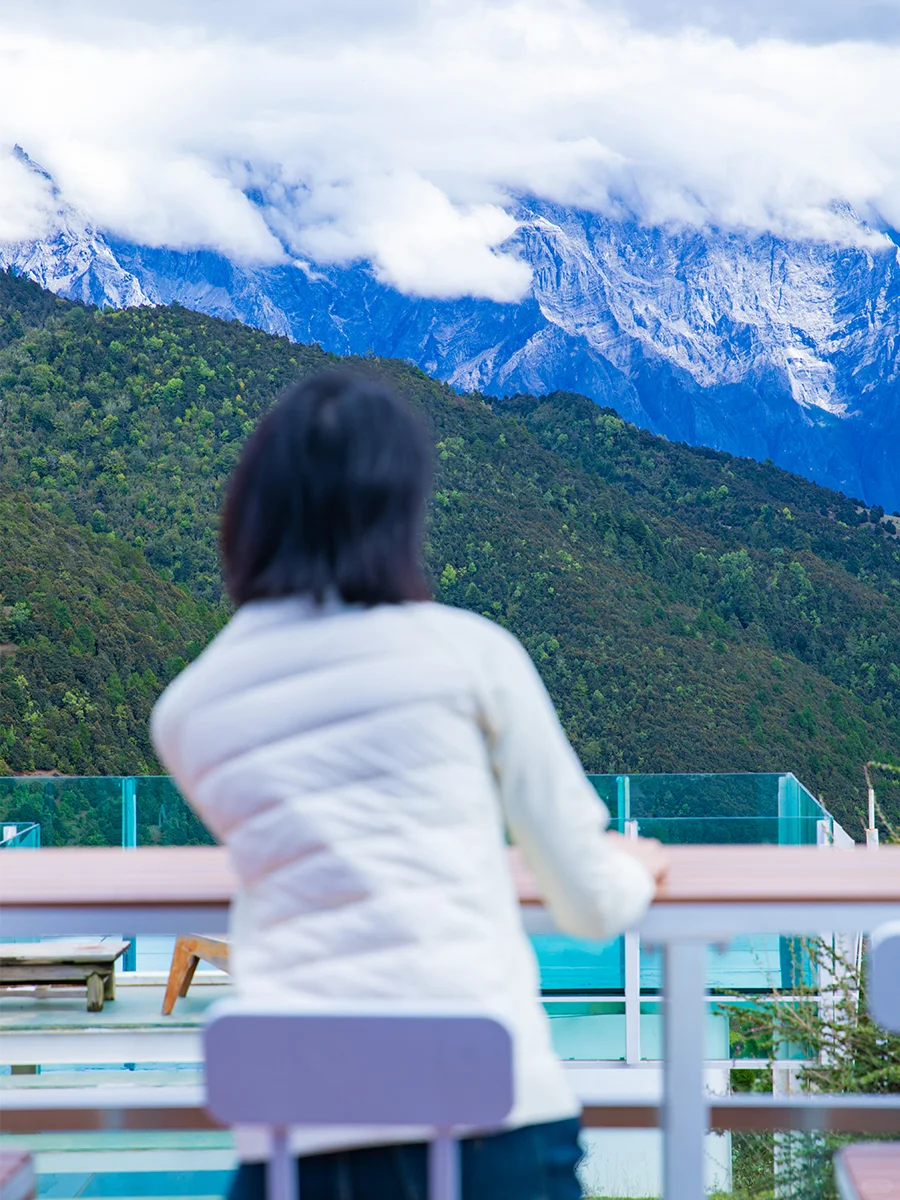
[[685, 1105], [871, 831], [632, 997], [443, 1168], [129, 812], [282, 1175], [129, 842], [632, 981]]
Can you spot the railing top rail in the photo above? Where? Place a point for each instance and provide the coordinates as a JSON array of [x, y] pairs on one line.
[[199, 876]]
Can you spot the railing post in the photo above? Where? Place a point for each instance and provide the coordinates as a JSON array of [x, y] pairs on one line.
[[871, 829], [623, 801], [129, 812], [685, 1105], [129, 841], [632, 980]]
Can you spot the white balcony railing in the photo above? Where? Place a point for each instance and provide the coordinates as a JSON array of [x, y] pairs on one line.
[[711, 895]]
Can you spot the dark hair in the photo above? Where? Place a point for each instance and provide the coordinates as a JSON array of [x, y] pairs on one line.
[[329, 497]]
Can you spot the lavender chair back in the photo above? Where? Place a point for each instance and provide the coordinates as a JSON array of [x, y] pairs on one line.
[[884, 976], [277, 1067]]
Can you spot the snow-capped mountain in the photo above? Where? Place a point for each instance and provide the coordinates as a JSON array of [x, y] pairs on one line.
[[753, 344], [73, 259]]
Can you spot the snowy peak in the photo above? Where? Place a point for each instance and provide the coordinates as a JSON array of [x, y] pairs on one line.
[[718, 306], [73, 259], [751, 343]]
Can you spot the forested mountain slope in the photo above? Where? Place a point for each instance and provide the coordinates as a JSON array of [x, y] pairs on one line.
[[89, 634], [689, 611]]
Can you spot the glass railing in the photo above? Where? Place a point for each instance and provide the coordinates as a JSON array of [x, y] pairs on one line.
[[733, 808], [583, 981], [18, 834], [111, 810], [102, 810], [677, 809]]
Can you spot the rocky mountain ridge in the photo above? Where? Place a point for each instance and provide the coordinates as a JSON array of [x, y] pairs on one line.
[[749, 343]]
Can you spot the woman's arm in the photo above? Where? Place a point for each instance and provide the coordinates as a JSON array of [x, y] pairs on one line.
[[593, 887]]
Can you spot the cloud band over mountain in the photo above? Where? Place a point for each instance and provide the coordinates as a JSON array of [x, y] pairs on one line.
[[332, 136]]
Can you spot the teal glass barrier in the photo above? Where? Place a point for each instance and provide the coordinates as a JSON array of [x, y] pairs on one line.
[[687, 809], [678, 809], [573, 965], [728, 809], [751, 964], [71, 810], [101, 810], [164, 818], [733, 808], [588, 1031], [729, 831], [24, 835]]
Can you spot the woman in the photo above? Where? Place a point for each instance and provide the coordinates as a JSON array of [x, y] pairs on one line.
[[362, 752]]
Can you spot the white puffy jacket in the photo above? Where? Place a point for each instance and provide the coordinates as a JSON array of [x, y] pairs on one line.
[[363, 766]]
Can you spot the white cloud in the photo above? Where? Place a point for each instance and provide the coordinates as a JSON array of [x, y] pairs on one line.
[[27, 206], [417, 240], [398, 132]]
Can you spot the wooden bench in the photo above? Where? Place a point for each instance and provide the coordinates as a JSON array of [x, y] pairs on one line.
[[17, 1177], [868, 1171], [187, 954], [59, 963]]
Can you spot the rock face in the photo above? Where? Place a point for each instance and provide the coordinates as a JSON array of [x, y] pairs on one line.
[[754, 344]]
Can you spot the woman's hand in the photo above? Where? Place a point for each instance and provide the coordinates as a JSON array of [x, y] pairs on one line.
[[648, 851]]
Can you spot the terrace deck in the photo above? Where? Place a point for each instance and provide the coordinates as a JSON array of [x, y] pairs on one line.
[[53, 1028]]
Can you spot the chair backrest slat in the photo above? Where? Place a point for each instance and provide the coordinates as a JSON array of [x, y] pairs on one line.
[[299, 1068]]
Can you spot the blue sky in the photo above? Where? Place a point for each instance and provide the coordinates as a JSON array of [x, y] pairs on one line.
[[398, 131]]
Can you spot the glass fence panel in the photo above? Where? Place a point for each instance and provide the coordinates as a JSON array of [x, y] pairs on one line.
[[148, 810], [20, 834], [730, 831], [71, 810], [589, 1030], [164, 818], [725, 795], [594, 1031], [575, 965], [101, 810], [120, 1164], [610, 789], [755, 964], [738, 795]]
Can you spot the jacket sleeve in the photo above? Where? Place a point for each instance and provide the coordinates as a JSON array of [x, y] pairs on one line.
[[553, 814]]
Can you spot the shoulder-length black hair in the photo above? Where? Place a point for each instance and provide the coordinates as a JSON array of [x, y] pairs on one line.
[[328, 497]]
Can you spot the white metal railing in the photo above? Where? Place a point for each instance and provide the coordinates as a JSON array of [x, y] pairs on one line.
[[685, 932], [712, 895]]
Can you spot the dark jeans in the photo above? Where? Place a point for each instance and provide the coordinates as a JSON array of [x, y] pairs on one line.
[[536, 1162]]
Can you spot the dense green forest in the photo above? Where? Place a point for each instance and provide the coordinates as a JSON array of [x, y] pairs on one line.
[[689, 611], [89, 634]]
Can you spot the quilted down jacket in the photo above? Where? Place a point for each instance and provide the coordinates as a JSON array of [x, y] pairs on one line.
[[363, 767]]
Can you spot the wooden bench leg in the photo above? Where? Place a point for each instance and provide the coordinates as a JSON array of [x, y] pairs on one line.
[[181, 972], [95, 990], [109, 985], [189, 976]]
